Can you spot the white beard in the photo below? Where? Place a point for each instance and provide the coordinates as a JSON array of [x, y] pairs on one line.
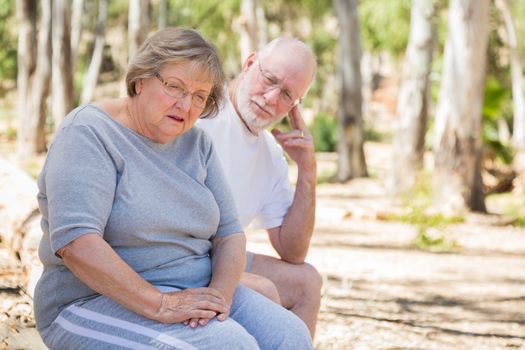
[[252, 120]]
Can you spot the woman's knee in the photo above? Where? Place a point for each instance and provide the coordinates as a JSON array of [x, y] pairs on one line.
[[228, 335], [265, 319], [294, 336]]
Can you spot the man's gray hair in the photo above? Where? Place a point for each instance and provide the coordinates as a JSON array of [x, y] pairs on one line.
[[289, 42]]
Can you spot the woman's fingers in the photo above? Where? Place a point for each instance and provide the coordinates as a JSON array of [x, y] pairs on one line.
[[191, 305], [207, 291], [194, 322], [223, 316]]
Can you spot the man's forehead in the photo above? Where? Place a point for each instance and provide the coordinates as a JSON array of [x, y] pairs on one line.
[[291, 58], [295, 72]]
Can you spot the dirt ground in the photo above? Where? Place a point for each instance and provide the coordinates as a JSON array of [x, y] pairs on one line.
[[379, 292]]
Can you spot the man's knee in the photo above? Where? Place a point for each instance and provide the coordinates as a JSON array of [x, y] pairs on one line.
[[308, 279], [294, 282], [261, 285]]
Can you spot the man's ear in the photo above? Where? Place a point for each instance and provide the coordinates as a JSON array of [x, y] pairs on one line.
[[249, 61]]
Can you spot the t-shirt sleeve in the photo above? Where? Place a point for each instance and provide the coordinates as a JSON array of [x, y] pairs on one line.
[[277, 202], [80, 180], [216, 182]]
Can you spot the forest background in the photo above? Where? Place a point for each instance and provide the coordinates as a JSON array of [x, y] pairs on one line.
[[450, 73], [438, 83]]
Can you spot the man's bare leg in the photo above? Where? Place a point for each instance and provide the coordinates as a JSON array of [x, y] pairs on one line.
[[299, 286], [261, 285]]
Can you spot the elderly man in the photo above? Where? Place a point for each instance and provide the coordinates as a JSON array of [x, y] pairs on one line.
[[271, 85]]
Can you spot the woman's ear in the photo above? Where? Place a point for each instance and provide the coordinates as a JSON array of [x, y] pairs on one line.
[[138, 86]]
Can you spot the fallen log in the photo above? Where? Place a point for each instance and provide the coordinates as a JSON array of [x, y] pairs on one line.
[[20, 231]]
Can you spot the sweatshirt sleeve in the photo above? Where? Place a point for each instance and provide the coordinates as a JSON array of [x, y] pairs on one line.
[[79, 180]]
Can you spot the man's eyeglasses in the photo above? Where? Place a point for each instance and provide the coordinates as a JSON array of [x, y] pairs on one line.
[[270, 81], [173, 88]]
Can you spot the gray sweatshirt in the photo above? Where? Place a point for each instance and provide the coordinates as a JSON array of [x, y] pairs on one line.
[[158, 205]]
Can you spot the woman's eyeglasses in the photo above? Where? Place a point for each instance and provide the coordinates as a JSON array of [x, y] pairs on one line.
[[173, 88]]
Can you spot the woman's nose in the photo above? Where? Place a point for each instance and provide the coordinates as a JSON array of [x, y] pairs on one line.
[[184, 102]]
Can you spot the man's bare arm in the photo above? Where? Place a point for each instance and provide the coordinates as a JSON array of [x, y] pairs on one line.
[[292, 239]]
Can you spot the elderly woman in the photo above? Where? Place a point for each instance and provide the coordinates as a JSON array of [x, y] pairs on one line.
[[142, 248]]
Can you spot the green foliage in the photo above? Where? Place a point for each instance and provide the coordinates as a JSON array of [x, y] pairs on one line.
[[385, 25], [215, 20], [439, 244], [11, 133], [323, 44], [419, 216], [117, 13], [291, 10], [510, 205], [495, 97], [430, 226], [326, 176], [372, 134], [311, 21], [518, 12], [496, 104], [8, 40], [520, 222], [324, 130]]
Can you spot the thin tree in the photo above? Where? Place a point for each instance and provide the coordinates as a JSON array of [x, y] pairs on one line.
[[414, 97], [76, 28], [62, 70], [34, 79], [518, 88], [91, 77], [458, 128], [262, 25], [163, 14], [26, 13], [138, 24], [351, 162], [249, 28]]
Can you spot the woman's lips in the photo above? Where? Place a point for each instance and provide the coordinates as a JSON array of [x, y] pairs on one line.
[[176, 118]]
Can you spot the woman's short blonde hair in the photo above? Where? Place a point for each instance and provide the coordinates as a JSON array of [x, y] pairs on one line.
[[178, 45]]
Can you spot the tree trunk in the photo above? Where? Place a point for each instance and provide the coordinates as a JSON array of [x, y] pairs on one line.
[[518, 89], [91, 77], [62, 73], [413, 100], [163, 14], [20, 230], [138, 24], [249, 28], [26, 11], [31, 137], [76, 29], [262, 25], [351, 161], [458, 129]]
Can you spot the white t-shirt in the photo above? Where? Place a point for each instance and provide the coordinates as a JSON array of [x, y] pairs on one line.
[[255, 169]]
